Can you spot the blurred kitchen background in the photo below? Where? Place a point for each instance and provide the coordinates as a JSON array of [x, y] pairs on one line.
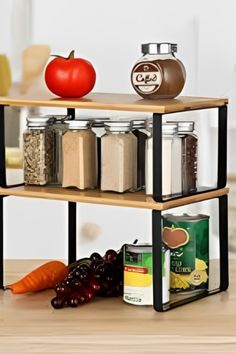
[[109, 34]]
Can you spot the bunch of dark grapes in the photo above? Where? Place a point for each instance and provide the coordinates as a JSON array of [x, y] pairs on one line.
[[89, 277]]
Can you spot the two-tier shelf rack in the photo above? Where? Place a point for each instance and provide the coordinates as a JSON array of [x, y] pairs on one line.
[[128, 102]]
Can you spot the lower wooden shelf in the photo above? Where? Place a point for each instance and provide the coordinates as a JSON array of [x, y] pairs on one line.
[[134, 200]]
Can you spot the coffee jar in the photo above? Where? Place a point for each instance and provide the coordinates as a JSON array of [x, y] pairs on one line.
[[158, 73]]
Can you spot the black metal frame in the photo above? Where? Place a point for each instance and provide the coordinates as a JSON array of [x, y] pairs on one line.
[[156, 215], [157, 259], [72, 228], [157, 156], [157, 218]]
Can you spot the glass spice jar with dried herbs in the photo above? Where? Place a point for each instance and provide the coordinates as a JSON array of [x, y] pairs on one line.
[[38, 149]]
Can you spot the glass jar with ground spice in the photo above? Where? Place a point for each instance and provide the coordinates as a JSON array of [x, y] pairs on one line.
[[79, 155], [98, 128], [58, 127], [139, 130], [189, 155], [158, 74], [118, 157], [38, 147], [171, 160]]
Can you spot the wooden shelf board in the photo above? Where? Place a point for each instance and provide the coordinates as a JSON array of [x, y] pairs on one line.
[[111, 101], [134, 200]]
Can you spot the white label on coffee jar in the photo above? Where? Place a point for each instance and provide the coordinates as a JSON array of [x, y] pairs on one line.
[[146, 77]]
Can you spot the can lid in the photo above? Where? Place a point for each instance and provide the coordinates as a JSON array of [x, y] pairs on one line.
[[186, 217], [139, 248], [138, 123], [118, 126], [159, 48], [38, 121], [78, 124]]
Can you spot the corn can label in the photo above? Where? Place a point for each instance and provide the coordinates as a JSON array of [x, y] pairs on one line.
[[188, 240], [138, 287]]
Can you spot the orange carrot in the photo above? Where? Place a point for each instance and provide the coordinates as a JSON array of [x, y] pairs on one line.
[[44, 277]]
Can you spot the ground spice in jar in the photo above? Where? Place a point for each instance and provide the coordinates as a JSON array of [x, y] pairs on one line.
[[38, 149], [79, 155], [118, 157], [189, 155]]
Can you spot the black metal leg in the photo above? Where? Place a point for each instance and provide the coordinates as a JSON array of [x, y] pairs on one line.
[[157, 157], [71, 232], [157, 260], [223, 236], [71, 112], [2, 148], [1, 244], [222, 147]]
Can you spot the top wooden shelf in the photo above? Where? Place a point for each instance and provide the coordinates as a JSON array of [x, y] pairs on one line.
[[112, 101]]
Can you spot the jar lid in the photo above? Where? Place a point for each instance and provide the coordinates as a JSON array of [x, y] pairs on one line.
[[184, 126], [118, 126], [138, 123], [99, 122], [38, 121], [169, 128], [78, 124], [59, 118], [159, 48], [149, 124]]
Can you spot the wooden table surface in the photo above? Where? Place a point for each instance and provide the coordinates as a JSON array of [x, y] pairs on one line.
[[28, 324]]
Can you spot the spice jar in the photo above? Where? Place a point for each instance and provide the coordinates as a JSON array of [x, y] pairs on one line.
[[158, 74], [79, 155], [171, 160], [98, 128], [189, 156], [38, 146], [118, 157], [139, 130], [58, 127]]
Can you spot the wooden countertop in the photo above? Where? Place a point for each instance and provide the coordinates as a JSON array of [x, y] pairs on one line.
[[28, 324]]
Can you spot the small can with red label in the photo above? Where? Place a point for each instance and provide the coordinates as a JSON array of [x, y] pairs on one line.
[[138, 283]]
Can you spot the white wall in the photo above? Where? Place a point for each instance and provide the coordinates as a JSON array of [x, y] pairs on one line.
[[109, 34]]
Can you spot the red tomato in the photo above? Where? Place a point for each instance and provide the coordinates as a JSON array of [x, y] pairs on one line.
[[70, 77]]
